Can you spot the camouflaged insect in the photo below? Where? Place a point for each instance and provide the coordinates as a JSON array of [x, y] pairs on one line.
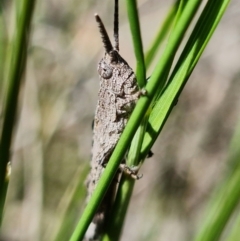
[[117, 97]]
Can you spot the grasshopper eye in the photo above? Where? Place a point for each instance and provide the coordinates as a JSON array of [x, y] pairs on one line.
[[104, 70]]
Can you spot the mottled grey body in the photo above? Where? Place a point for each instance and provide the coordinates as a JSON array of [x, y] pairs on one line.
[[116, 100], [117, 97]]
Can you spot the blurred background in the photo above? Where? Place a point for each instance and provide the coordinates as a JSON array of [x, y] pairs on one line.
[[52, 141]]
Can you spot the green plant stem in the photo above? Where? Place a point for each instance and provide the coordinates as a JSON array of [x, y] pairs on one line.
[[133, 158], [162, 109], [126, 185], [234, 234], [198, 40], [133, 17], [133, 123], [234, 156], [221, 209], [137, 41], [119, 209], [3, 52], [18, 61], [161, 34]]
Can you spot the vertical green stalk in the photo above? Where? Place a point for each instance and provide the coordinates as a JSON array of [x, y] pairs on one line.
[[3, 44], [234, 232], [161, 34], [223, 206], [17, 66], [156, 83], [195, 46], [137, 41], [126, 185], [140, 74]]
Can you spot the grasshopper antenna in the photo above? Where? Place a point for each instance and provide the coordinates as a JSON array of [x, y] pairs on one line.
[[115, 29], [106, 41]]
